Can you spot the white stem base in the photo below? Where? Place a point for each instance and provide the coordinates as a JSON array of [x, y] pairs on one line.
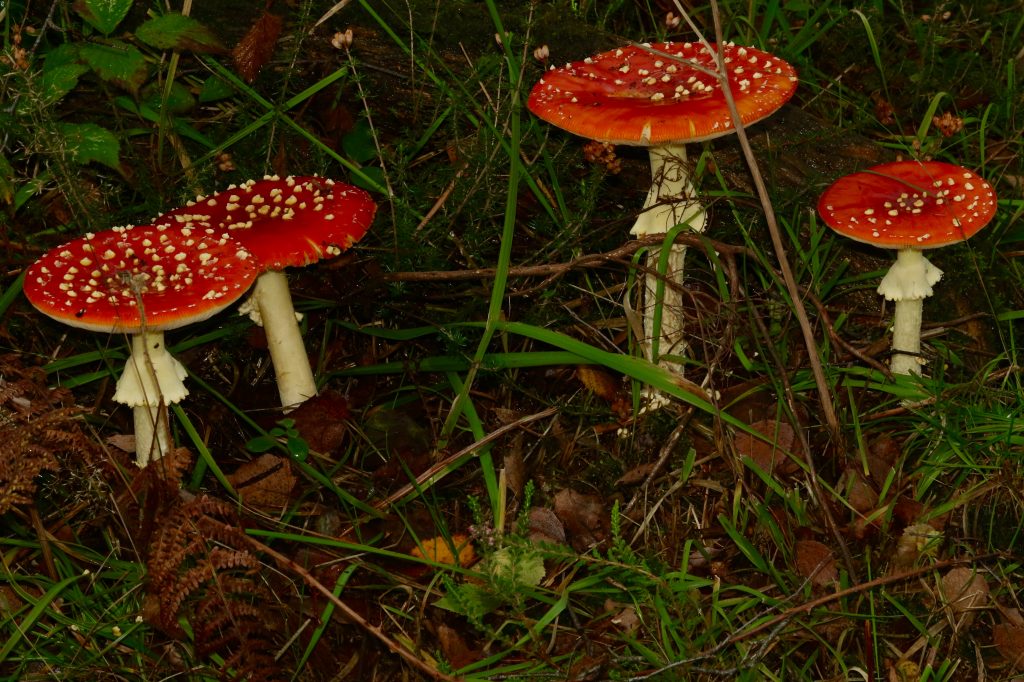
[[152, 379], [670, 202], [273, 302]]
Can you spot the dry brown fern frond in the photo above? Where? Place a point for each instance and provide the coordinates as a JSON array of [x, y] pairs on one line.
[[36, 427], [200, 567]]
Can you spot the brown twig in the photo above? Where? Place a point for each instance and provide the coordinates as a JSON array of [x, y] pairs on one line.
[[594, 260]]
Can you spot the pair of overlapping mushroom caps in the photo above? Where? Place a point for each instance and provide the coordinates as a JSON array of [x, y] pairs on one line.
[[192, 263], [663, 95]]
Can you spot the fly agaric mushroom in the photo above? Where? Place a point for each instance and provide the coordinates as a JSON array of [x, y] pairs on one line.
[[142, 281], [292, 221], [661, 96], [909, 206]]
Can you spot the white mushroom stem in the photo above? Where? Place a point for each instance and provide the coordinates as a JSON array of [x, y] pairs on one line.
[[271, 305], [670, 202], [152, 380], [908, 282]]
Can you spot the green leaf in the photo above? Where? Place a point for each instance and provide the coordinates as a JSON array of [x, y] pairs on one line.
[[179, 99], [88, 142], [103, 15], [472, 601], [178, 32], [59, 81], [298, 448], [118, 63], [376, 176], [261, 444], [215, 88], [358, 143], [62, 55]]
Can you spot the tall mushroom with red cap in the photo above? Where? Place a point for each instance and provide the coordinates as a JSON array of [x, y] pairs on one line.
[[909, 206], [142, 281], [284, 222], [662, 96]]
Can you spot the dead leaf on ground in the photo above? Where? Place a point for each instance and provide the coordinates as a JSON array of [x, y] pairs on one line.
[[816, 562], [1009, 641], [637, 474], [439, 550], [599, 382], [963, 590], [515, 465], [454, 647], [859, 493], [122, 441], [625, 618], [266, 481], [321, 421], [584, 518], [256, 47], [770, 457], [545, 526], [882, 457]]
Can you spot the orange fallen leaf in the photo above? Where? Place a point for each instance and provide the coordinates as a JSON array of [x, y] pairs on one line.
[[439, 550]]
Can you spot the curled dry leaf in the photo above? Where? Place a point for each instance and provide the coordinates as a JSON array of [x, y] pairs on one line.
[[815, 562], [264, 482], [770, 457], [439, 550], [963, 590], [1009, 641]]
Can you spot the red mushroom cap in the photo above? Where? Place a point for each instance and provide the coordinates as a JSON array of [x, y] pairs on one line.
[[909, 204], [292, 221], [177, 275], [652, 94]]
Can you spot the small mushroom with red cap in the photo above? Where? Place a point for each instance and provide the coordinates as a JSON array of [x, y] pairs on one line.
[[909, 206], [142, 280], [284, 222], [662, 96]]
